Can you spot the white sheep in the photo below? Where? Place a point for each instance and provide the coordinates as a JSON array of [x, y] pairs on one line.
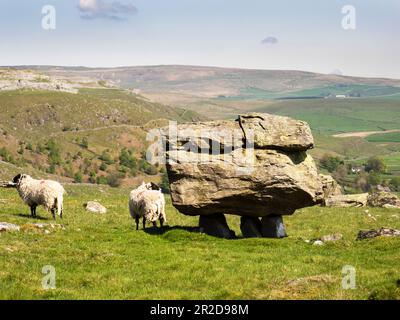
[[147, 204], [34, 193]]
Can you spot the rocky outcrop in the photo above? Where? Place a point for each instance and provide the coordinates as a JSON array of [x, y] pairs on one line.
[[380, 199], [330, 187], [349, 200], [384, 200], [254, 167], [95, 207]]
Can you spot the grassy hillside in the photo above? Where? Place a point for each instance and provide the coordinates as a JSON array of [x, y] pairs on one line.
[[81, 136], [101, 256]]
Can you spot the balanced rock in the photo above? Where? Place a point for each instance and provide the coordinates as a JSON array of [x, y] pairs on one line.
[[95, 207], [254, 166]]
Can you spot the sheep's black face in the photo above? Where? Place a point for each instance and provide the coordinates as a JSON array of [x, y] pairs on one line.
[[154, 186], [18, 178]]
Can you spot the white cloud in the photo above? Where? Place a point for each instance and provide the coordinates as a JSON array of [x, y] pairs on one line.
[[114, 10], [270, 40]]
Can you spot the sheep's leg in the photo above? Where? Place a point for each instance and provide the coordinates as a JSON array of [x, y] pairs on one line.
[[161, 222], [144, 223], [33, 211], [154, 224], [53, 213], [137, 222]]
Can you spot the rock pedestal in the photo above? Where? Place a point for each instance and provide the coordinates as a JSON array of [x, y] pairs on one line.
[[273, 227], [250, 227], [215, 225]]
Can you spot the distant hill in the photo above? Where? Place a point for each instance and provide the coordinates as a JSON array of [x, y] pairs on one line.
[[212, 81]]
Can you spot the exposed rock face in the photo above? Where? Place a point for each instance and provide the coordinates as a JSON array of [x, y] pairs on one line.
[[383, 199], [350, 200], [330, 187], [95, 207], [255, 166]]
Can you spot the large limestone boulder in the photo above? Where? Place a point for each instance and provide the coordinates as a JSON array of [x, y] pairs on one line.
[[255, 166]]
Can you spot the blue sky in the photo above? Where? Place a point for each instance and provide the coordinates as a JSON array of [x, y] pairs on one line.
[[285, 34]]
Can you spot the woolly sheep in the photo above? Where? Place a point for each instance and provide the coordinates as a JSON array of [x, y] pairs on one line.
[[147, 204], [34, 192]]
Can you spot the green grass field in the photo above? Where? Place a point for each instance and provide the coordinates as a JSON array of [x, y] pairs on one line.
[[387, 137], [330, 116], [103, 257], [358, 90]]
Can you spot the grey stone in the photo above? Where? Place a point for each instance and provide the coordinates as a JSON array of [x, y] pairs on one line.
[[95, 207], [273, 227], [332, 237], [215, 225], [250, 227], [383, 232]]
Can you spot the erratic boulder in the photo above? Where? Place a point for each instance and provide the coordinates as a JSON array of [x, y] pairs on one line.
[[254, 167]]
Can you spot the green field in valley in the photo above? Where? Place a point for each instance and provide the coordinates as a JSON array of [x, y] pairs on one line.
[[387, 137], [332, 116], [103, 257]]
